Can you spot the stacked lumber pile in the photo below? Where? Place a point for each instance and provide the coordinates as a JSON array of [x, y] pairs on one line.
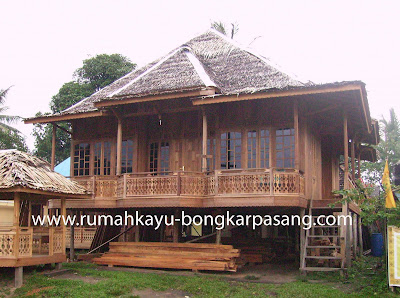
[[256, 254], [192, 256]]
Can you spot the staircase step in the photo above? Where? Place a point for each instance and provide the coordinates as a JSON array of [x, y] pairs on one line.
[[323, 257], [323, 246], [324, 269]]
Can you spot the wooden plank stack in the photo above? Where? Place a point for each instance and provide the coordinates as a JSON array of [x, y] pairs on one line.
[[191, 256]]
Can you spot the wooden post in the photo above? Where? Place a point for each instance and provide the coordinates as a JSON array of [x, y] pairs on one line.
[[137, 231], [296, 135], [29, 212], [53, 148], [359, 165], [119, 146], [360, 235], [346, 186], [175, 234], [19, 276], [355, 236], [204, 143], [72, 241], [17, 206], [353, 160], [302, 238], [64, 228]]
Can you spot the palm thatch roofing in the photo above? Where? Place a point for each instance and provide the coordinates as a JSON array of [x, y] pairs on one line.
[[22, 170], [208, 60]]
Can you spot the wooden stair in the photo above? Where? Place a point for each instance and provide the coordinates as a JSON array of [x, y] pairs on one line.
[[323, 247], [168, 255]]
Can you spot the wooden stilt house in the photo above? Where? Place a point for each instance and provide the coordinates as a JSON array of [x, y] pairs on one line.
[[213, 126], [28, 182]]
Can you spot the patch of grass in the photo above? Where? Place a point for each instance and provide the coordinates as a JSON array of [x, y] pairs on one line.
[[122, 284], [252, 277], [367, 276]]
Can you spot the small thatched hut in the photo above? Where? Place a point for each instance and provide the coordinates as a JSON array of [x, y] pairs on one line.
[[30, 183]]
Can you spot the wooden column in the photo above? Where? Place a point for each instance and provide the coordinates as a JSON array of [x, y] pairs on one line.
[[346, 186], [137, 231], [119, 146], [302, 239], [17, 206], [355, 236], [296, 135], [360, 235], [63, 214], [29, 212], [19, 276], [175, 235], [353, 160], [204, 143], [53, 147], [72, 241]]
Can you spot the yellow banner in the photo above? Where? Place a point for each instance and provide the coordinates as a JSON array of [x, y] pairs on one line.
[[394, 256]]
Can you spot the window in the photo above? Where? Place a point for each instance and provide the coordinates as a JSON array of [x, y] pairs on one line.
[[81, 159], [285, 148], [211, 145], [102, 158], [127, 157], [159, 157], [231, 150], [264, 148], [252, 149]]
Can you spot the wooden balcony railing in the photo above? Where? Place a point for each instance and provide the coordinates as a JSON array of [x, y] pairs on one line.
[[41, 241], [83, 237], [184, 183]]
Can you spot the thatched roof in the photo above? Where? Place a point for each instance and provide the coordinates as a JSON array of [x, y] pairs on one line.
[[208, 60], [20, 169]]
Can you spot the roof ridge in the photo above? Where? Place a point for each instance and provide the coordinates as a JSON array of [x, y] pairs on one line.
[[199, 68]]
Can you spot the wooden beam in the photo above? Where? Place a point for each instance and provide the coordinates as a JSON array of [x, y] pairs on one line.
[[49, 194], [67, 117], [123, 101], [62, 128], [155, 112], [53, 148], [277, 93], [204, 143], [326, 109]]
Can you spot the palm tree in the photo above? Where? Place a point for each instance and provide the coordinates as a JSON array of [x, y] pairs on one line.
[[220, 27], [6, 119]]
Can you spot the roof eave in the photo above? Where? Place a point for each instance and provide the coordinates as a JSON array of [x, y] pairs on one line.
[[190, 94], [65, 117]]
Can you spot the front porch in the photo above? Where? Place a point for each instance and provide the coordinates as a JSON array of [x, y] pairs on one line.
[[235, 187]]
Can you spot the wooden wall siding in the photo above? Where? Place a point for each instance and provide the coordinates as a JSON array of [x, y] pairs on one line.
[[183, 131]]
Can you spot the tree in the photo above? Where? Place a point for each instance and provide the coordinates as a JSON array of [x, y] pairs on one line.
[[103, 69], [96, 73], [221, 27], [10, 137], [388, 148]]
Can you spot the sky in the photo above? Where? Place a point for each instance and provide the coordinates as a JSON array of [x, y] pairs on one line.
[[44, 42]]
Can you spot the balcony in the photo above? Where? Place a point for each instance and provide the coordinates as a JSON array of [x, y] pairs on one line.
[[219, 184]]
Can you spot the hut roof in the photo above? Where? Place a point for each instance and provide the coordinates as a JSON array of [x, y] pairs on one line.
[[20, 169], [208, 60]]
